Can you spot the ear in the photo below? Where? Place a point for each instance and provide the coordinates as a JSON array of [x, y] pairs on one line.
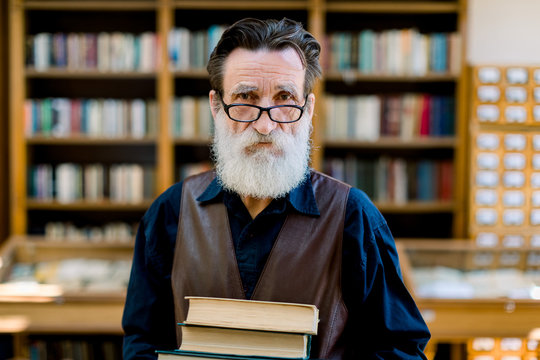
[[212, 97], [311, 105]]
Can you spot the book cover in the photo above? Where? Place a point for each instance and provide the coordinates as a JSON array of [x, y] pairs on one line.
[[244, 342], [180, 355]]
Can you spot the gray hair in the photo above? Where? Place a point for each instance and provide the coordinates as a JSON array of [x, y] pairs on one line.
[[255, 34]]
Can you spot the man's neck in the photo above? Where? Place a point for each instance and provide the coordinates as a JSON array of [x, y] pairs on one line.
[[255, 206]]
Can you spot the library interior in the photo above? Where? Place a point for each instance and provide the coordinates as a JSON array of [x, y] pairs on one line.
[[430, 107]]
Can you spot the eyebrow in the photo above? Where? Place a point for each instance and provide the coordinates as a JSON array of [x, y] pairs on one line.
[[243, 89], [290, 88]]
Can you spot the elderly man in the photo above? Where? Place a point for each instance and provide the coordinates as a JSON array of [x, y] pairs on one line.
[[265, 226]]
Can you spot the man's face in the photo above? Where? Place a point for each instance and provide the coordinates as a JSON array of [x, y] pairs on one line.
[[264, 78], [263, 158]]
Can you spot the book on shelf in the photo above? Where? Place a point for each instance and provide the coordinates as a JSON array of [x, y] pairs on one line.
[[393, 52], [254, 315], [104, 52], [244, 342]]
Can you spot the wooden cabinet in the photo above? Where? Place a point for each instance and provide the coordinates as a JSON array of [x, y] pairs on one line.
[[46, 299]]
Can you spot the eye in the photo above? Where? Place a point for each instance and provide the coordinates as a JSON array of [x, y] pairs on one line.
[[285, 96], [243, 97]]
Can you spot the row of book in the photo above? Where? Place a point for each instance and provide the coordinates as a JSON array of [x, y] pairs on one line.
[[74, 347], [368, 117], [394, 52], [111, 118], [190, 49], [112, 232], [219, 328], [191, 117], [103, 51], [69, 182], [72, 275], [395, 180]]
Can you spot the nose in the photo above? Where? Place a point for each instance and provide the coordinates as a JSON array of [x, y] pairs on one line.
[[264, 125]]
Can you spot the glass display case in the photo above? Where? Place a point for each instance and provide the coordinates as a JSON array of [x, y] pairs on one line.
[[466, 290]]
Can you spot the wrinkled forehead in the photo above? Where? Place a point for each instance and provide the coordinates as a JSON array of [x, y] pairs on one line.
[[252, 70]]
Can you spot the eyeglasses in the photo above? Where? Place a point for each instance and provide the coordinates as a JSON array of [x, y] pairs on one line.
[[249, 113]]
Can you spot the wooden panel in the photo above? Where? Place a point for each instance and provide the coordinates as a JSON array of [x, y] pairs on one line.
[[3, 124], [17, 169]]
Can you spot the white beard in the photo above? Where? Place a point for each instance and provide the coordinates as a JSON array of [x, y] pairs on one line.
[[261, 172]]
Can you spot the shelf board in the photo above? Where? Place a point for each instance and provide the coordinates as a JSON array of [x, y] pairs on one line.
[[416, 207], [351, 76], [101, 5], [191, 74], [395, 143], [241, 5], [58, 73], [86, 206], [87, 140], [196, 141], [415, 7], [43, 242]]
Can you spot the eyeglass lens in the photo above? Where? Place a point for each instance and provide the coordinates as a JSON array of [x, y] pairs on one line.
[[280, 114]]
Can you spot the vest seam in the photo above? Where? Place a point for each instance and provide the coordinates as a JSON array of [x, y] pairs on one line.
[[340, 302]]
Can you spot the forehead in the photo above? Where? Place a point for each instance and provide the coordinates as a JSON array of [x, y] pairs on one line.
[[263, 69]]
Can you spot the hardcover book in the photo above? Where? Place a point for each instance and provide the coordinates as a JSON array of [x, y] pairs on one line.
[[254, 315]]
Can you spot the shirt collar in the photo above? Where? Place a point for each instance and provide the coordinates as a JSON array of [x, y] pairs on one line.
[[301, 198]]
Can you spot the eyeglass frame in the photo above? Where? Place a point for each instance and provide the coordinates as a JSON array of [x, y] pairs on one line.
[[226, 107]]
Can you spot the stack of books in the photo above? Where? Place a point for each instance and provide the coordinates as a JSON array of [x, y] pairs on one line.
[[218, 328]]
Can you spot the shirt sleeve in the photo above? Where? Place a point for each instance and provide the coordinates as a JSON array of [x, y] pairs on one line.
[[384, 321], [148, 320]]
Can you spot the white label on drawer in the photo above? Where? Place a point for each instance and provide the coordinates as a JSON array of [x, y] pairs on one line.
[[516, 94], [513, 217], [489, 75], [514, 179], [535, 180], [514, 161], [536, 142], [535, 217], [515, 142], [513, 241], [491, 141], [486, 217], [489, 161], [483, 344], [511, 344], [517, 75], [487, 178], [513, 198], [515, 114], [535, 198], [487, 113], [489, 93], [486, 239], [536, 113]]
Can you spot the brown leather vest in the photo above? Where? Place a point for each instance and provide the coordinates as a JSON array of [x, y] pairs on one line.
[[304, 266]]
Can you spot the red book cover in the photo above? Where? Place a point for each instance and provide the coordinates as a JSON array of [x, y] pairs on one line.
[[75, 117], [425, 115], [445, 180]]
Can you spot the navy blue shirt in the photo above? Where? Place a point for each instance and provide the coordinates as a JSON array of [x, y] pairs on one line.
[[384, 322]]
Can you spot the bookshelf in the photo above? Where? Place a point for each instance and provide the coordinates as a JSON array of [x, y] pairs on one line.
[[166, 152]]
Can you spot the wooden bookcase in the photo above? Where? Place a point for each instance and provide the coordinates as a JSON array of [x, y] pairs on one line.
[[164, 152]]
